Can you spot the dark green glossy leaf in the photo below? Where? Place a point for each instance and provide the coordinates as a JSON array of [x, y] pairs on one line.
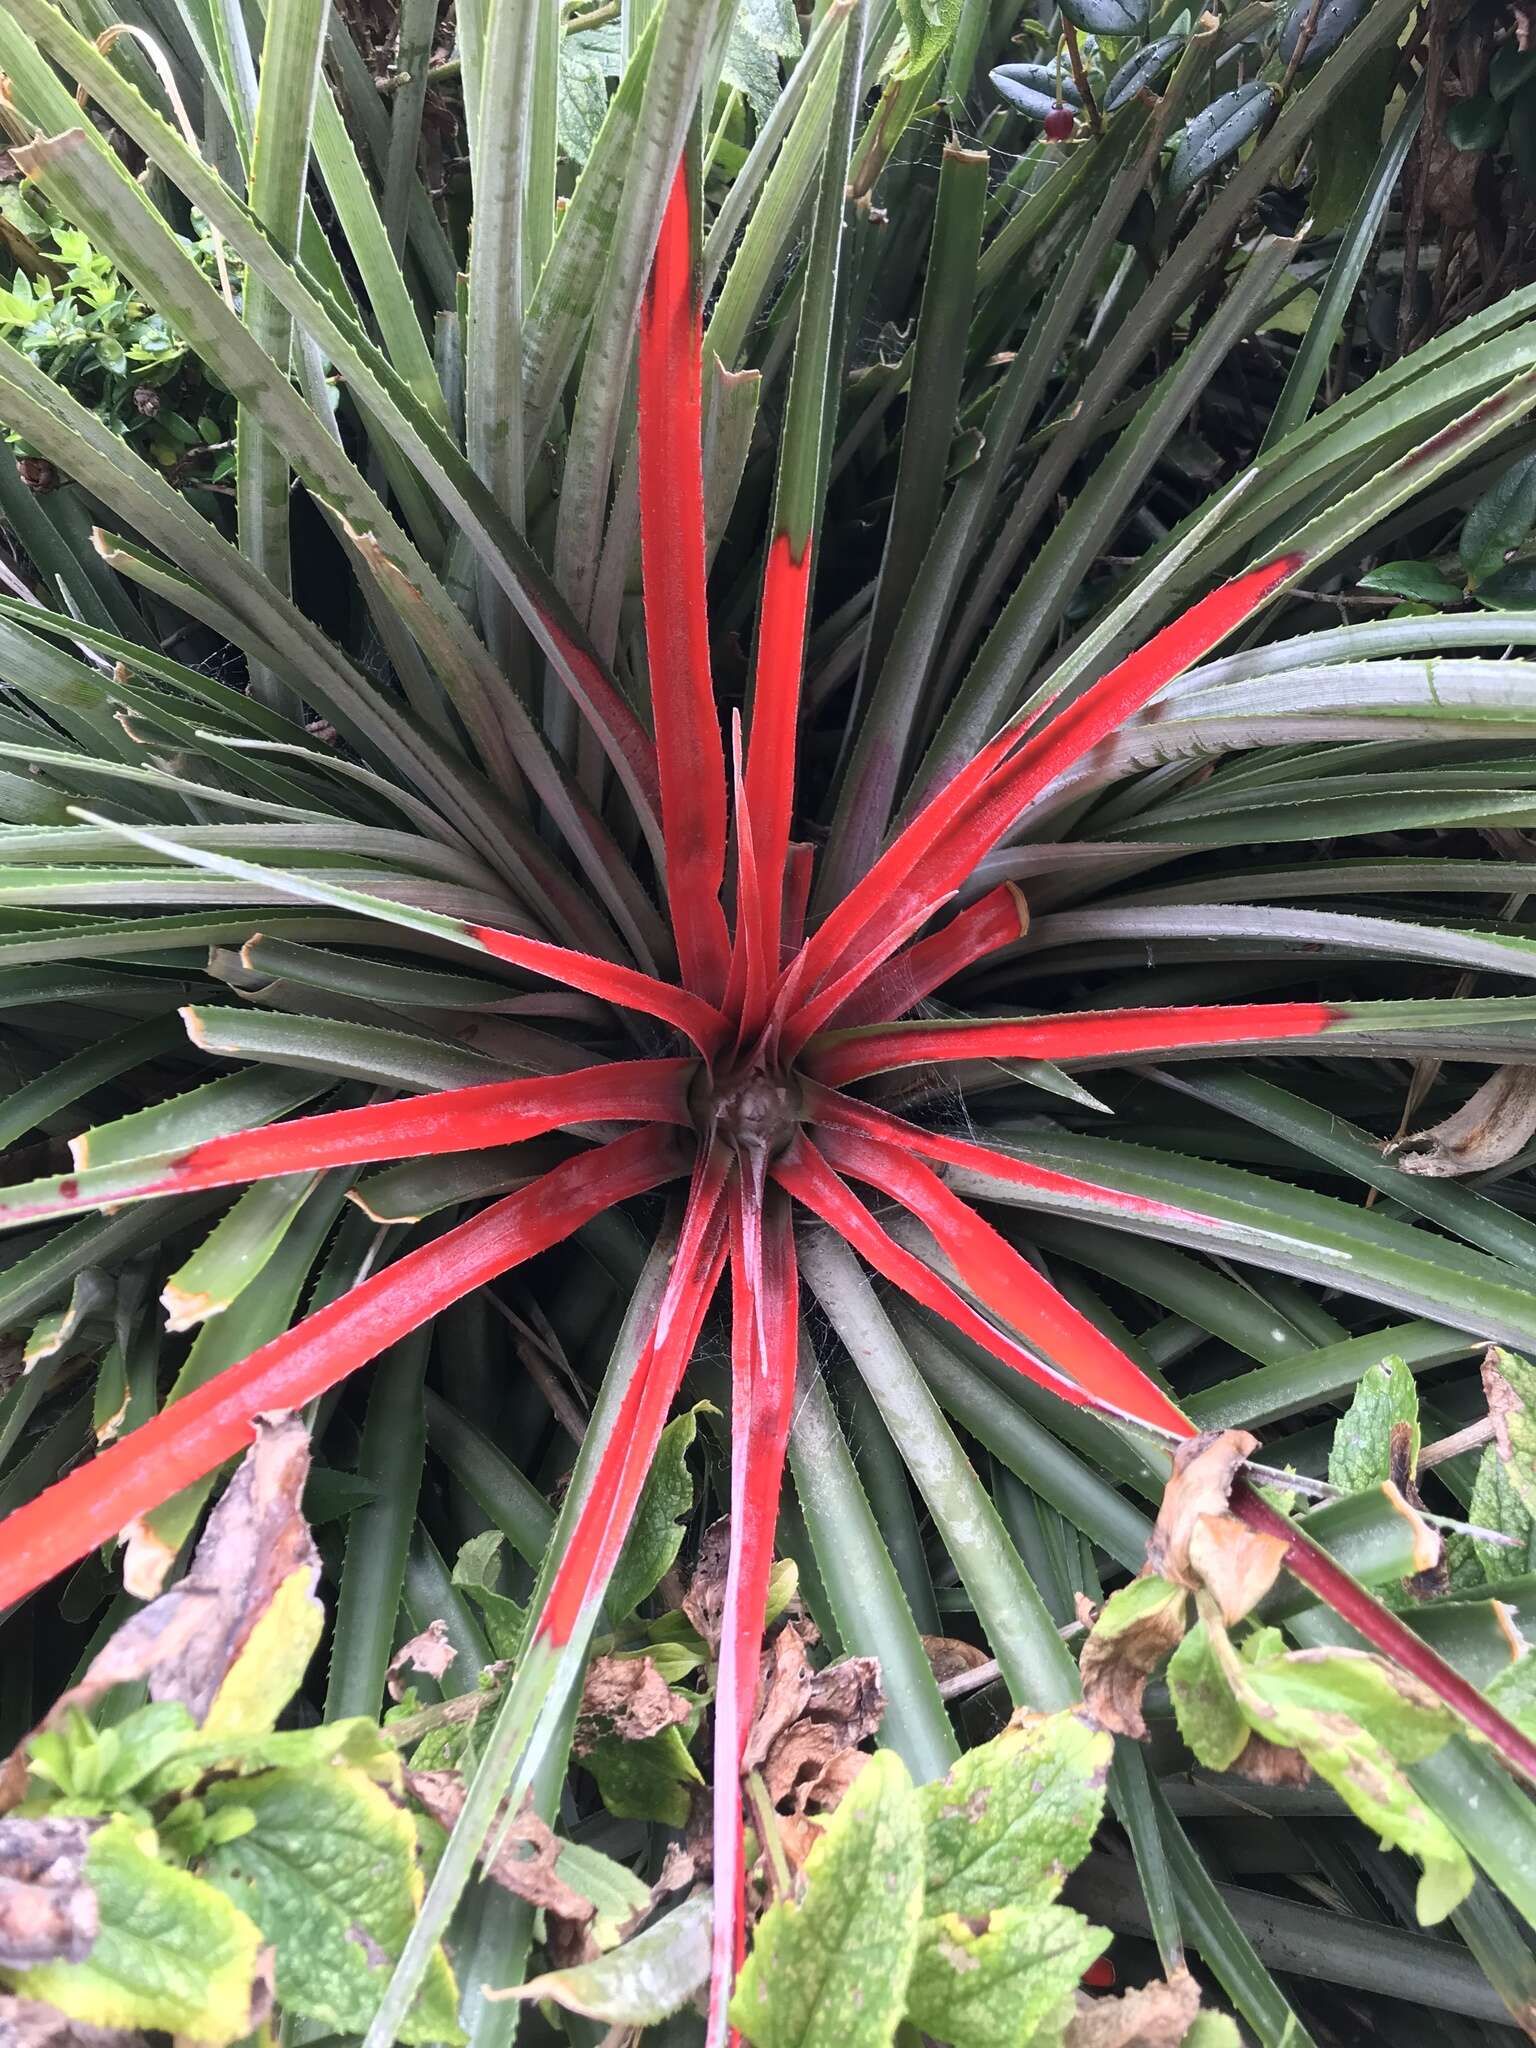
[[1218, 132]]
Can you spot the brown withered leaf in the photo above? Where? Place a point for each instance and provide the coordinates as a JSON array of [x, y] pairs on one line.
[[184, 1644], [28, 2023], [48, 1912], [805, 1738], [1433, 1576], [1196, 1536], [626, 1697], [524, 1863], [430, 1653], [1489, 1128], [1269, 1763], [1156, 2015], [949, 1656], [704, 1602], [1117, 1661], [1237, 1564]]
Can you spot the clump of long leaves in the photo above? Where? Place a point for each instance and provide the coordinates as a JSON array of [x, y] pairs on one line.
[[780, 939]]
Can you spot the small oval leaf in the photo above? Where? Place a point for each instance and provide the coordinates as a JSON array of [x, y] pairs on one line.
[[1107, 17], [1475, 125], [1510, 589], [1142, 70], [1335, 19], [1036, 89], [1218, 132]]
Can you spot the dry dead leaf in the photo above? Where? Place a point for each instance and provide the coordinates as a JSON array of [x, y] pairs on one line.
[[1268, 1763], [28, 2023], [524, 1863], [1114, 1669], [805, 1738], [1489, 1128], [1235, 1563], [184, 1644], [949, 1656], [704, 1602], [430, 1653], [626, 1697], [1155, 2015], [48, 1912], [1197, 1542]]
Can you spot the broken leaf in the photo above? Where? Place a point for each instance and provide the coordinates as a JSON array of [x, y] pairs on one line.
[[805, 1738], [830, 1970], [232, 1639], [1236, 1565], [1489, 1128], [645, 1980], [626, 1698], [527, 1850], [704, 1602], [1157, 2015], [1137, 1628], [429, 1653], [950, 1657]]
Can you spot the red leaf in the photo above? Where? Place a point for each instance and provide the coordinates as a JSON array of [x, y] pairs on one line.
[[456, 1120], [672, 553], [831, 1111], [963, 821], [805, 1174], [747, 999], [603, 1523], [626, 986], [776, 717], [189, 1439], [1000, 918], [764, 1335], [1008, 1284], [1087, 1035]]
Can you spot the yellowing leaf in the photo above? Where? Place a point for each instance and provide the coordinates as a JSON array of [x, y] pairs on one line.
[[1011, 1818], [830, 1970], [991, 1980], [172, 1953], [329, 1874], [1356, 1720], [271, 1662]]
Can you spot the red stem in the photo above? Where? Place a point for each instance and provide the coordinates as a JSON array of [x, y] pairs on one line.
[[1316, 1570]]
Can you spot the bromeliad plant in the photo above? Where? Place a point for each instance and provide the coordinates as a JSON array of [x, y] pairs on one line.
[[732, 996]]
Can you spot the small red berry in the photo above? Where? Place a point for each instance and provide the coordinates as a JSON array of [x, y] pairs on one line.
[[1059, 124]]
